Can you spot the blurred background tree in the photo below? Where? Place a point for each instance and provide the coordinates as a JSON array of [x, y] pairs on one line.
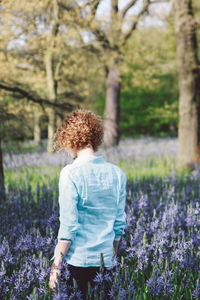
[[109, 35], [149, 93], [117, 58], [189, 81], [42, 62]]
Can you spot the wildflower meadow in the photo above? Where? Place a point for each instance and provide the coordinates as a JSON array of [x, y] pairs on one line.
[[159, 254]]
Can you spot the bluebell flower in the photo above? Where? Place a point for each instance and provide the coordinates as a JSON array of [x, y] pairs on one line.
[[76, 295], [196, 292], [59, 296], [66, 274], [123, 293], [29, 297], [111, 293], [153, 286], [107, 276], [42, 275], [132, 287], [143, 201], [98, 278], [161, 231]]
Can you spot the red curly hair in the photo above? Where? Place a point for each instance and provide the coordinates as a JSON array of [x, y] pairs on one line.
[[80, 129]]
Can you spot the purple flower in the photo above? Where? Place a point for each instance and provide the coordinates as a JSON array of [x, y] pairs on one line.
[[98, 278], [107, 276], [196, 292], [123, 293], [161, 237], [42, 275], [76, 295]]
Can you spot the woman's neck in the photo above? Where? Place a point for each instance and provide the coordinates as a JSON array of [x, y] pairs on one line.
[[85, 152]]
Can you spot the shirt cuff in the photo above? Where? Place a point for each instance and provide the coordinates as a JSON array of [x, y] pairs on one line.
[[65, 236]]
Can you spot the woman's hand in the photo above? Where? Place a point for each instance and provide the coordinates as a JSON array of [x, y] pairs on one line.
[[53, 278], [63, 246]]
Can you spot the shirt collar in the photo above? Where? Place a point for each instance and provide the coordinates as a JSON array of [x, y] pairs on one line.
[[89, 158]]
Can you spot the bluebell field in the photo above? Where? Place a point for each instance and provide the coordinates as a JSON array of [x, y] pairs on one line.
[[159, 255]]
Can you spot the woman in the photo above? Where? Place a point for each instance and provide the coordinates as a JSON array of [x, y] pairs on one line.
[[92, 195]]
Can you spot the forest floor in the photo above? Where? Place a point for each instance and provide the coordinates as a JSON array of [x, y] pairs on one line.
[[158, 258], [139, 158]]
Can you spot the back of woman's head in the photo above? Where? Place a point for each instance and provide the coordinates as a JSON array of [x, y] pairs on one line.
[[80, 129]]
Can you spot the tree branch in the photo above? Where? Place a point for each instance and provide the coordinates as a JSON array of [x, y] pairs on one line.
[[84, 23], [114, 6], [135, 22], [159, 1], [72, 6], [127, 7], [21, 93], [101, 36], [94, 5]]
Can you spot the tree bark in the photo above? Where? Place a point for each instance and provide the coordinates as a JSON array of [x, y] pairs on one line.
[[52, 97], [51, 129], [113, 50], [112, 107], [37, 130], [50, 72], [189, 81], [58, 121]]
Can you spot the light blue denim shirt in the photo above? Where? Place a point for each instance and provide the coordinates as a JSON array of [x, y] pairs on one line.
[[92, 195]]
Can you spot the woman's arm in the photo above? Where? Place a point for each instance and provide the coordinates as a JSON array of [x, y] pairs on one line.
[[62, 248], [68, 199], [120, 221], [116, 245], [61, 251]]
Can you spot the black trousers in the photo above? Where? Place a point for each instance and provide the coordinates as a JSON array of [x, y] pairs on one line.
[[83, 275]]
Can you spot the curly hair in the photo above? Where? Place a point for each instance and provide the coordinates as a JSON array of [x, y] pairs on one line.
[[80, 129]]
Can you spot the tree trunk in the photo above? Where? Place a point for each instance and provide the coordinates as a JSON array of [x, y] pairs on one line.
[[50, 73], [52, 96], [58, 121], [51, 129], [112, 107], [2, 186], [37, 130], [189, 81]]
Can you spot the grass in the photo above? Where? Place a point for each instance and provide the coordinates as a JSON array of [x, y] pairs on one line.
[[147, 168], [150, 167], [22, 147], [34, 175]]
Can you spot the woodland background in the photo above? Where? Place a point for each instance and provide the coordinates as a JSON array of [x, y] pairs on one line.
[[149, 95], [57, 55]]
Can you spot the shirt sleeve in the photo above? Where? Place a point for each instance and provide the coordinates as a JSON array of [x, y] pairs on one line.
[[68, 200], [120, 221]]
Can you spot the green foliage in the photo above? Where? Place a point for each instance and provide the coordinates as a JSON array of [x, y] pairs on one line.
[[146, 111], [151, 167], [25, 176], [149, 94], [149, 87], [100, 103], [26, 147]]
